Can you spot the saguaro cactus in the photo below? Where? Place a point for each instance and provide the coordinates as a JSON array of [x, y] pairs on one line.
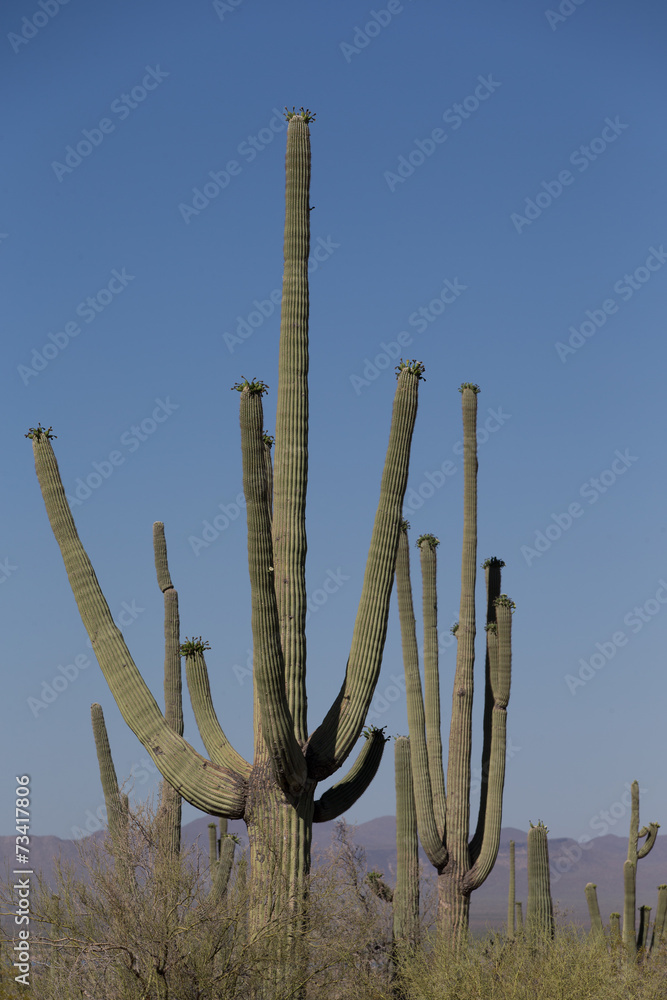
[[443, 809], [539, 908], [511, 899], [633, 941], [275, 794]]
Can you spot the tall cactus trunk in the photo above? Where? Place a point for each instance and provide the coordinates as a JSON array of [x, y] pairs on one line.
[[539, 908], [511, 899], [406, 894]]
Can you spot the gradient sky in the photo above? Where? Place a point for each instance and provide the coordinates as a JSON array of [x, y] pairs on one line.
[[503, 155]]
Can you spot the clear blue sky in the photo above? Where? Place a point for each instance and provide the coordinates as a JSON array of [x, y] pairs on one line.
[[508, 159]]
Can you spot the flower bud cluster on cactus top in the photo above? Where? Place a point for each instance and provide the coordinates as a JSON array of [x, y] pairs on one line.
[[413, 366], [194, 645], [305, 113], [38, 432], [254, 386]]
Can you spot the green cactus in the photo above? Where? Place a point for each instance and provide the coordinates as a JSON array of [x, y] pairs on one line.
[[221, 859], [443, 808], [511, 900], [631, 941], [660, 917], [635, 941], [539, 909], [597, 928], [275, 794], [406, 894], [171, 804], [519, 917], [116, 804]]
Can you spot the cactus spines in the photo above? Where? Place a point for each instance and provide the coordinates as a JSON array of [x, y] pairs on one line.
[[406, 894], [275, 793], [539, 909], [518, 910]]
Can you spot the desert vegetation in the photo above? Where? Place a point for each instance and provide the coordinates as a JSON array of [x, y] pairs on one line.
[[152, 921]]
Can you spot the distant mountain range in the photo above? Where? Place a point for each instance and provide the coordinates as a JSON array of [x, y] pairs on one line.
[[572, 866]]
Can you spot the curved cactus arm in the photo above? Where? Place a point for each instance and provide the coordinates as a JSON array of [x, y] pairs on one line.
[[334, 739], [291, 445], [460, 732], [430, 836], [597, 930], [117, 817], [428, 560], [218, 747], [650, 832], [289, 765], [170, 799], [500, 676], [205, 785], [342, 796], [492, 573]]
